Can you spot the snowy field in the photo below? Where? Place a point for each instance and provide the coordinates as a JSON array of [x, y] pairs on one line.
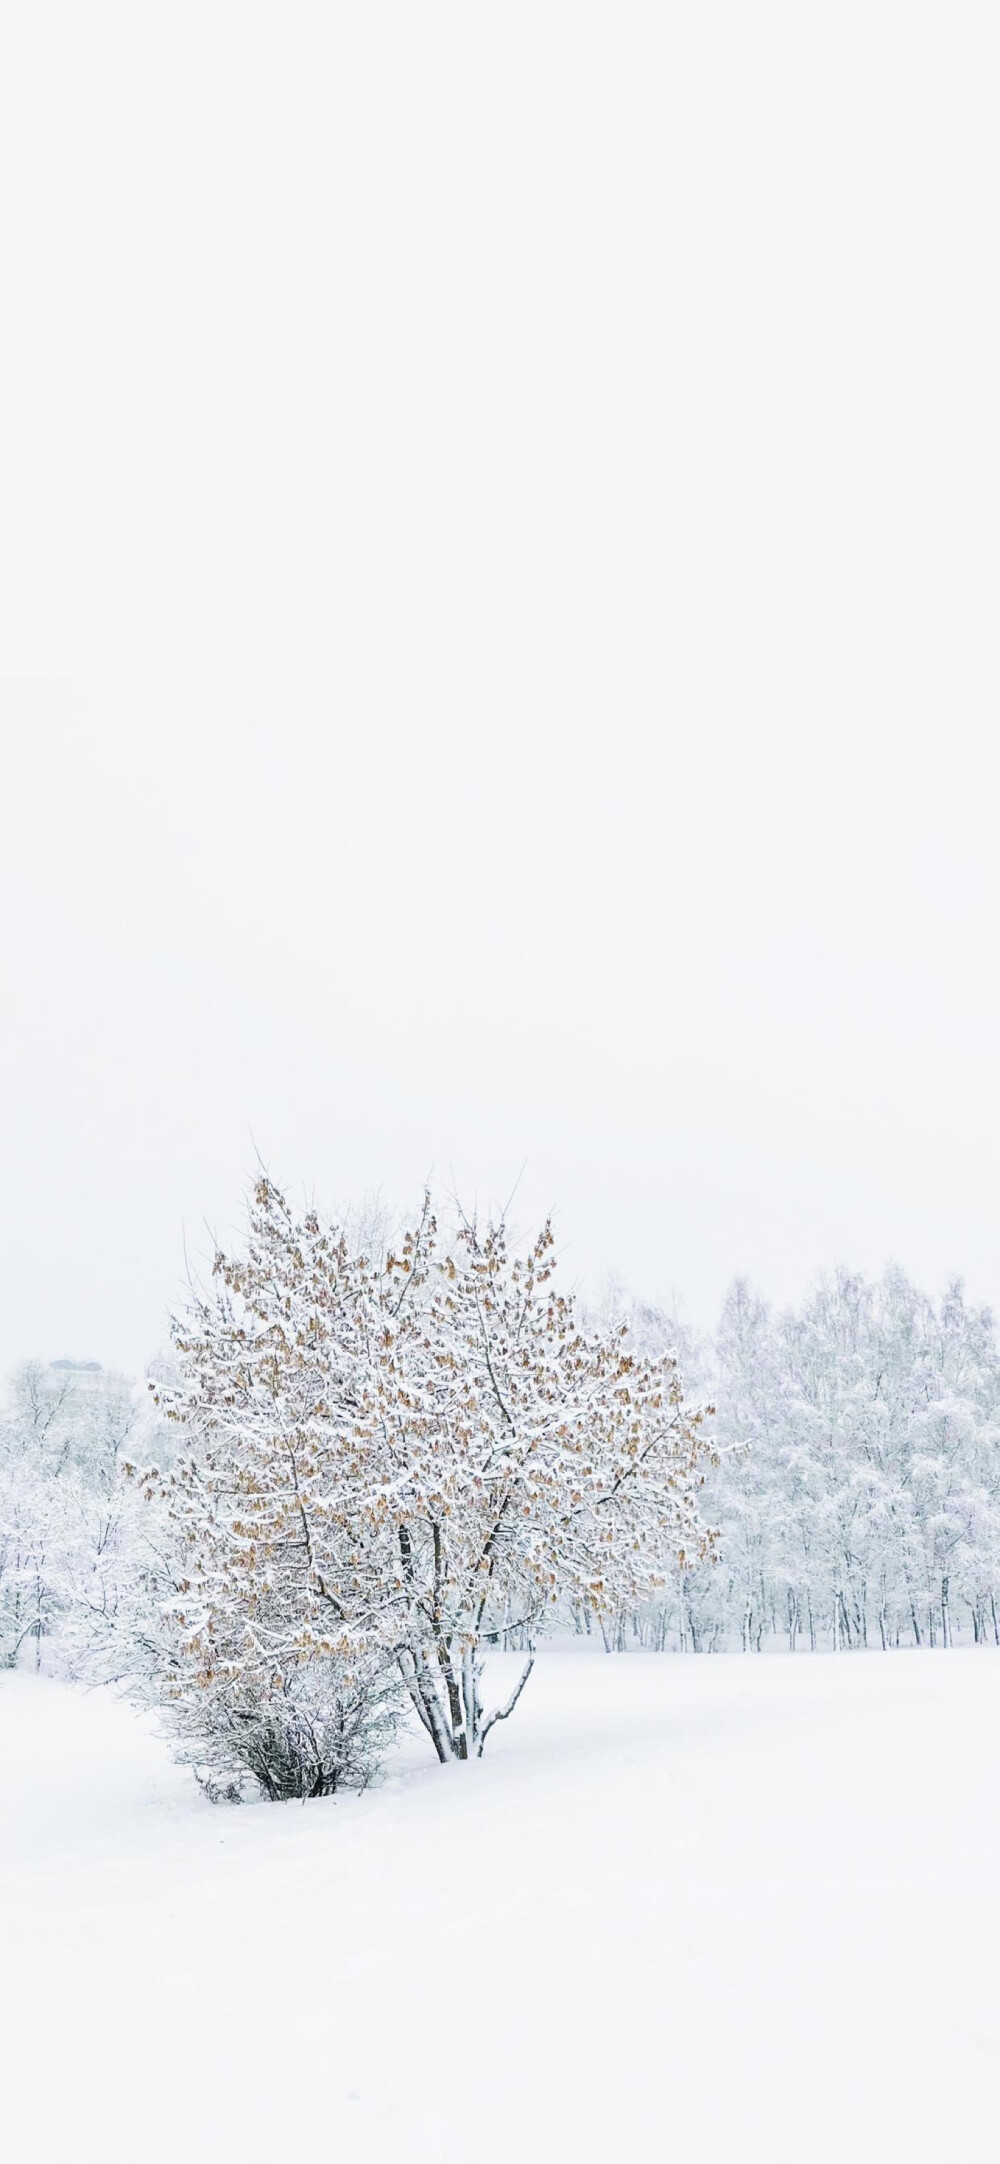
[[715, 1908]]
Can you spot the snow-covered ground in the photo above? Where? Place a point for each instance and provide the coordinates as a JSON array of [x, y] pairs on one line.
[[719, 1908]]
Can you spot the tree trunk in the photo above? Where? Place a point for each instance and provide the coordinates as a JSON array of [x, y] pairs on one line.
[[423, 1694], [470, 1694]]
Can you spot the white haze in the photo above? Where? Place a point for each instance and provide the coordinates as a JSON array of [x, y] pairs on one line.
[[497, 558]]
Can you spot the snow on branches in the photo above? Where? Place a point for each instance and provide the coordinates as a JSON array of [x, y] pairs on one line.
[[388, 1460], [857, 1489]]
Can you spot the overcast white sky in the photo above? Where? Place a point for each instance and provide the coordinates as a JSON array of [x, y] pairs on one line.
[[498, 584]]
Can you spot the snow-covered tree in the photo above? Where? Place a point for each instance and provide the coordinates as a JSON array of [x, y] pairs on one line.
[[857, 1488], [856, 1483], [64, 1432], [395, 1459]]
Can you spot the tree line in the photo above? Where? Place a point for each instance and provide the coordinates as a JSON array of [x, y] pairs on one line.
[[856, 1492]]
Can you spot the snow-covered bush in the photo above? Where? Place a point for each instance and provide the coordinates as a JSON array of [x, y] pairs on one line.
[[396, 1458], [311, 1730]]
